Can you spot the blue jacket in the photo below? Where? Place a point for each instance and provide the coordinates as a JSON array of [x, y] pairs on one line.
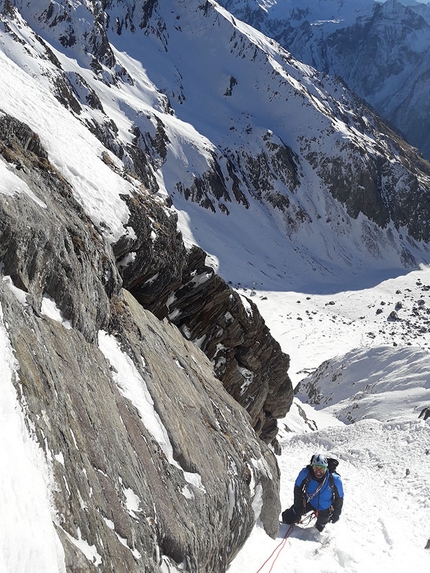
[[324, 498]]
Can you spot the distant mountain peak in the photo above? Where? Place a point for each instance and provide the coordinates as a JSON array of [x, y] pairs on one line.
[[203, 108], [379, 49]]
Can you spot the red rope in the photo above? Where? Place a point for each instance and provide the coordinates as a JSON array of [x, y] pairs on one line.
[[281, 545], [278, 548]]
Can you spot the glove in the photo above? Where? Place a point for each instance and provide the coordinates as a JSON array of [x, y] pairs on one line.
[[335, 518]]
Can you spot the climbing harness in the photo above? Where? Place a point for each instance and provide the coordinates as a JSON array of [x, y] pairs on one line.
[[276, 552], [307, 498], [316, 492]]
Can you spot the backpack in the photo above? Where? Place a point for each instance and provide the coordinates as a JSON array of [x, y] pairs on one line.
[[332, 465]]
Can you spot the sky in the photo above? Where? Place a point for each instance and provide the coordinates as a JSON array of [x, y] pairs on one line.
[[384, 454]]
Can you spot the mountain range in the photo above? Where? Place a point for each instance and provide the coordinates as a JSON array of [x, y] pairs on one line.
[[156, 159], [379, 49], [169, 94]]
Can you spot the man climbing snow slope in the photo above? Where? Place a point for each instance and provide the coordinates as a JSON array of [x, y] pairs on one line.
[[318, 488]]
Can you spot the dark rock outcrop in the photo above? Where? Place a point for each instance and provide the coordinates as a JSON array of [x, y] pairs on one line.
[[425, 413], [175, 283], [232, 333], [189, 511], [161, 268], [176, 441]]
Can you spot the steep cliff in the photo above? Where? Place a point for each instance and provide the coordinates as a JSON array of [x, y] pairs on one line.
[[123, 407], [120, 119]]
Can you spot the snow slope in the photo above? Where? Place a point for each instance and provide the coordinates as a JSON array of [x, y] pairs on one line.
[[384, 382], [337, 12], [379, 49], [384, 523], [317, 307], [217, 120], [28, 539], [377, 374]]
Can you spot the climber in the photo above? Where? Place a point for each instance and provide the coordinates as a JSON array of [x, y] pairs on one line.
[[317, 488]]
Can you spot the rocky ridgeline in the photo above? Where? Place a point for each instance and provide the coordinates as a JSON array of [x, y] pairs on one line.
[[228, 328], [381, 53], [194, 504], [172, 282], [357, 160]]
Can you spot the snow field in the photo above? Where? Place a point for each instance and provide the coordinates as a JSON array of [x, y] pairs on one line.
[[384, 470]]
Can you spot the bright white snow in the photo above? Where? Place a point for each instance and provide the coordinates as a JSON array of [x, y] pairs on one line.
[[385, 455], [384, 523], [319, 307]]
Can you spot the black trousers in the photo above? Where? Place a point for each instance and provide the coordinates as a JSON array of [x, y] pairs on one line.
[[289, 516]]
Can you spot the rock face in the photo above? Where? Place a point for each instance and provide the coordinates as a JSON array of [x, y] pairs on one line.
[[162, 269], [45, 238], [121, 403], [189, 511], [231, 332], [155, 465], [175, 283]]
